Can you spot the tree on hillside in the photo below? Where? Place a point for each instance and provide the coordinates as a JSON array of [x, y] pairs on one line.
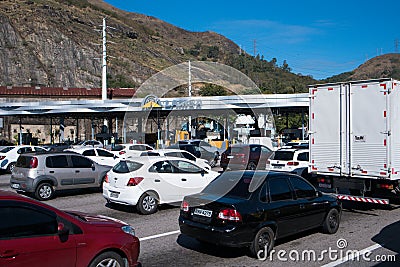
[[212, 90]]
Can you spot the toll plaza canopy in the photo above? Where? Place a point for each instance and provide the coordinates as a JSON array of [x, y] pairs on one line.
[[291, 102]]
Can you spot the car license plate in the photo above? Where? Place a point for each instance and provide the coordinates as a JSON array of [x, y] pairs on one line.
[[201, 212], [277, 167], [324, 185], [114, 194], [15, 186], [230, 157]]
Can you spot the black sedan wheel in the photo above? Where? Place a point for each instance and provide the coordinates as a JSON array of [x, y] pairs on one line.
[[331, 222], [263, 243]]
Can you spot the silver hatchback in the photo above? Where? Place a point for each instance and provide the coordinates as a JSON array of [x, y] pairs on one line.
[[44, 173]]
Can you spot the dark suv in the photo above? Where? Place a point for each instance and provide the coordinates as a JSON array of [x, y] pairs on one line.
[[35, 234], [43, 173], [245, 156]]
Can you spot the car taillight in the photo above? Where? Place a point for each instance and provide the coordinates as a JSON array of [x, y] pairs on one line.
[[106, 179], [185, 206], [122, 152], [230, 215], [134, 181], [33, 163], [2, 157], [385, 186], [293, 163]]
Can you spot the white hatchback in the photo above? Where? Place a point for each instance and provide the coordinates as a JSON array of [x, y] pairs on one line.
[[98, 155], [146, 182], [171, 152], [10, 154], [132, 150], [290, 160]]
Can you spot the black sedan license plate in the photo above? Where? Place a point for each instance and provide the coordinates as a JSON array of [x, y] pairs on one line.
[[201, 212]]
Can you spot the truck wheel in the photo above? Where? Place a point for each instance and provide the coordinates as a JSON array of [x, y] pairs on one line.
[[44, 191], [147, 204], [263, 243], [108, 259], [331, 222]]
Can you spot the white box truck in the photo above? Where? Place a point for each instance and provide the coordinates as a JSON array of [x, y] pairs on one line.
[[354, 132]]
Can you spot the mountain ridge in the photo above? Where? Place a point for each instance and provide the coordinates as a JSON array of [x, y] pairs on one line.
[[57, 43]]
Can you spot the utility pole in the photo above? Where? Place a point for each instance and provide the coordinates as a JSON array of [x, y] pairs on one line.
[[104, 64], [190, 96], [254, 47]]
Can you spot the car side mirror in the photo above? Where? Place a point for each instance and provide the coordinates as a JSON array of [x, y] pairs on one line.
[[62, 229], [93, 167]]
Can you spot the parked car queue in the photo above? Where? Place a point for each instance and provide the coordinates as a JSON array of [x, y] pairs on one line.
[[226, 212], [229, 202]]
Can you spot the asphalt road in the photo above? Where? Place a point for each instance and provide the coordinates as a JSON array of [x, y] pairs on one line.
[[370, 231]]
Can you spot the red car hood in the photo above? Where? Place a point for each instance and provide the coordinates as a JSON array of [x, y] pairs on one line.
[[98, 219]]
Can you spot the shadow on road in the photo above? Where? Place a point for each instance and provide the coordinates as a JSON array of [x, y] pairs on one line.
[[227, 252], [210, 249], [366, 208], [132, 209], [389, 238]]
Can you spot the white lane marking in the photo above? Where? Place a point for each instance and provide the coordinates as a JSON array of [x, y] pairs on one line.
[[159, 235], [352, 256]]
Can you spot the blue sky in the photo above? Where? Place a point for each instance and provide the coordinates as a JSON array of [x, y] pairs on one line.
[[318, 38]]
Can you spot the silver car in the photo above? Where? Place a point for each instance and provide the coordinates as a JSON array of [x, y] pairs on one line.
[[44, 173]]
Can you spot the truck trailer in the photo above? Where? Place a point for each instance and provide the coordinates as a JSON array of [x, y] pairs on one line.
[[354, 133]]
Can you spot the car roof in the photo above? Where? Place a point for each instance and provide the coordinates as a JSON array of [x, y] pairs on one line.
[[293, 149], [245, 145], [165, 150], [47, 153], [84, 148], [267, 173], [153, 159]]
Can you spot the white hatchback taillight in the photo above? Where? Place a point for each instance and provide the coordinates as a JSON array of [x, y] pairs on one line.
[[134, 181]]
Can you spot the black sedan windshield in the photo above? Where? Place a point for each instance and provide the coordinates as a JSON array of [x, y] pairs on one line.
[[238, 184]]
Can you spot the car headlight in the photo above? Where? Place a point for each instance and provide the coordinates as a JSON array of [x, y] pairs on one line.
[[128, 229]]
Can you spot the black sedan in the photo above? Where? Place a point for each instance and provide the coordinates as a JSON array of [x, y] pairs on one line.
[[254, 208]]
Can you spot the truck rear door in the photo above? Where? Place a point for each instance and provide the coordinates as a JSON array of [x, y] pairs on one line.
[[368, 136], [327, 128]]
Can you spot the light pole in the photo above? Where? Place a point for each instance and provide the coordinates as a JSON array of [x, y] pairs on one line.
[[190, 96]]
